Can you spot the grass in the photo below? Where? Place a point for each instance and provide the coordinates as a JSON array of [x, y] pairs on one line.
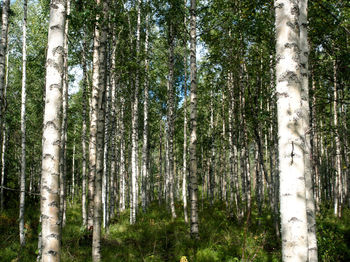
[[156, 237]]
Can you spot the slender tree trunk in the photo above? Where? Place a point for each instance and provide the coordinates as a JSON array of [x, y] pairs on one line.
[[291, 133], [23, 128], [193, 119], [99, 83], [310, 202], [51, 229], [4, 130], [145, 153], [122, 157], [73, 168], [3, 51], [3, 150], [134, 125], [63, 146], [170, 120], [184, 170], [84, 129], [337, 185]]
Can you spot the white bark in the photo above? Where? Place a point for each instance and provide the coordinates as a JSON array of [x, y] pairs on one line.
[[3, 51], [23, 128], [84, 140], [291, 134], [134, 125], [99, 83], [310, 202], [145, 171], [63, 160], [193, 119], [51, 230]]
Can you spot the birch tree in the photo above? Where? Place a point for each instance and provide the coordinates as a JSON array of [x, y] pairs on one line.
[[193, 119], [291, 144], [3, 51], [23, 128], [51, 231]]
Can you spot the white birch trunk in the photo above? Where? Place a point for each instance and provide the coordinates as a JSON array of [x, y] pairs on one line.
[[184, 170], [3, 51], [145, 175], [337, 185], [63, 146], [84, 139], [51, 229], [170, 121], [310, 202], [193, 118], [134, 125], [23, 128], [99, 83], [291, 134]]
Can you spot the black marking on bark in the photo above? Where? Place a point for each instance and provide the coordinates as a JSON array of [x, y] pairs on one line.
[[48, 156], [43, 217], [289, 76], [292, 154], [294, 219], [53, 235], [52, 253], [284, 94], [295, 10], [280, 5], [53, 204]]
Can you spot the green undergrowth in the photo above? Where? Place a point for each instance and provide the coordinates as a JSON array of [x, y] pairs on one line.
[[157, 237]]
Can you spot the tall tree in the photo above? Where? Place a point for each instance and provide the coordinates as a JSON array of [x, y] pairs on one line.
[[193, 120], [170, 118], [310, 202], [3, 51], [291, 143], [63, 158], [51, 230], [23, 127], [98, 89], [134, 124]]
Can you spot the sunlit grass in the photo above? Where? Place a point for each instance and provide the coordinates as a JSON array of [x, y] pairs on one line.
[[157, 237]]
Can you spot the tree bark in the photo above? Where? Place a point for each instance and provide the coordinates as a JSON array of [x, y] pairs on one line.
[[337, 185], [63, 146], [51, 229], [3, 51], [291, 133], [145, 153], [193, 118], [23, 128], [309, 194], [99, 84], [84, 138], [170, 119]]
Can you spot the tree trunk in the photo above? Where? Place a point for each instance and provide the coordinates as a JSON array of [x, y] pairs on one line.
[[338, 175], [184, 170], [145, 152], [3, 51], [23, 128], [98, 88], [51, 229], [84, 139], [63, 146], [193, 119], [309, 194], [134, 125], [291, 133], [170, 120]]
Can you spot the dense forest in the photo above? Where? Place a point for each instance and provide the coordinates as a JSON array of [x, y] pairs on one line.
[[175, 130]]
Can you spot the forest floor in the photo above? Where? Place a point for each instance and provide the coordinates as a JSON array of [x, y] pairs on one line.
[[156, 237]]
